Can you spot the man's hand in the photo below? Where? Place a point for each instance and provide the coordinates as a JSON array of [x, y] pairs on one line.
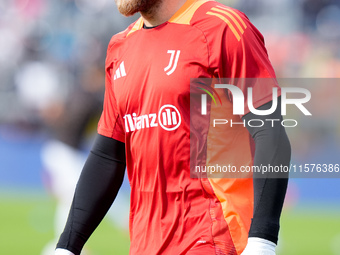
[[259, 246], [62, 252]]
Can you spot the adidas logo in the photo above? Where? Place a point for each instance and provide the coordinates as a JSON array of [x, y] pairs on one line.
[[120, 72]]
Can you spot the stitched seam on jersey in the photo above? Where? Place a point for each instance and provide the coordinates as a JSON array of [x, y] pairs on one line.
[[207, 45], [210, 197], [211, 229], [114, 127], [106, 130], [219, 251], [111, 131]]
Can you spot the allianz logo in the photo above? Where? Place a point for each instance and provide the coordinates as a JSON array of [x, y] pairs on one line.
[[168, 118]]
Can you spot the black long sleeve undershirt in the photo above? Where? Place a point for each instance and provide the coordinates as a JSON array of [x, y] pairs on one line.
[[97, 187], [103, 175], [272, 148]]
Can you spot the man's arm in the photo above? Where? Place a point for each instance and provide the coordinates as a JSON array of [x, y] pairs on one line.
[[272, 147], [96, 190]]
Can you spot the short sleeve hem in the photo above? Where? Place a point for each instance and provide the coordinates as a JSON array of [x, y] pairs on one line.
[[111, 134]]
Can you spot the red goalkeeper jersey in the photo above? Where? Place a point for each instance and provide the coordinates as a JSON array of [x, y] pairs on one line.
[[147, 107]]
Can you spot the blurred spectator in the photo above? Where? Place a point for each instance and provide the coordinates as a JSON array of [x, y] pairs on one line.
[[62, 155], [52, 82]]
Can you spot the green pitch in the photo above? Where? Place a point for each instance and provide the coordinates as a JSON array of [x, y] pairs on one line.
[[310, 231], [27, 225]]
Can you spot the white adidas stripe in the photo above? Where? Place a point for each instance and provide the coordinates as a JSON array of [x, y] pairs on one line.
[[120, 72]]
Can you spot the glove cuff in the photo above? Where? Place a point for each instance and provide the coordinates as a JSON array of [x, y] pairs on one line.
[[60, 251], [256, 243]]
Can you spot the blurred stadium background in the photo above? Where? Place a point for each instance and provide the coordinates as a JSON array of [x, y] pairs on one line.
[[51, 50]]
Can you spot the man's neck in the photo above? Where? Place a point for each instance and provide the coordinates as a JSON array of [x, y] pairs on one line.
[[161, 12]]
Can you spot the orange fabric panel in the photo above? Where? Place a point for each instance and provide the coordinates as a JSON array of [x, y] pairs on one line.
[[186, 12], [232, 146], [138, 25]]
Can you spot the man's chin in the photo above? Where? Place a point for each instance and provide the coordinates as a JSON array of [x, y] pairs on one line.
[[131, 7], [127, 11]]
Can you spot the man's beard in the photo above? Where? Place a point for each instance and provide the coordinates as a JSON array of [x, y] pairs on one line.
[[130, 7]]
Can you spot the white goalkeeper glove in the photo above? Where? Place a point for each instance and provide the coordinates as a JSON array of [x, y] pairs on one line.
[[259, 246], [62, 252]]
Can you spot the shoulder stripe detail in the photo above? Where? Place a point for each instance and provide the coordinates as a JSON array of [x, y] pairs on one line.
[[229, 17], [238, 37], [138, 25], [236, 15], [186, 12]]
